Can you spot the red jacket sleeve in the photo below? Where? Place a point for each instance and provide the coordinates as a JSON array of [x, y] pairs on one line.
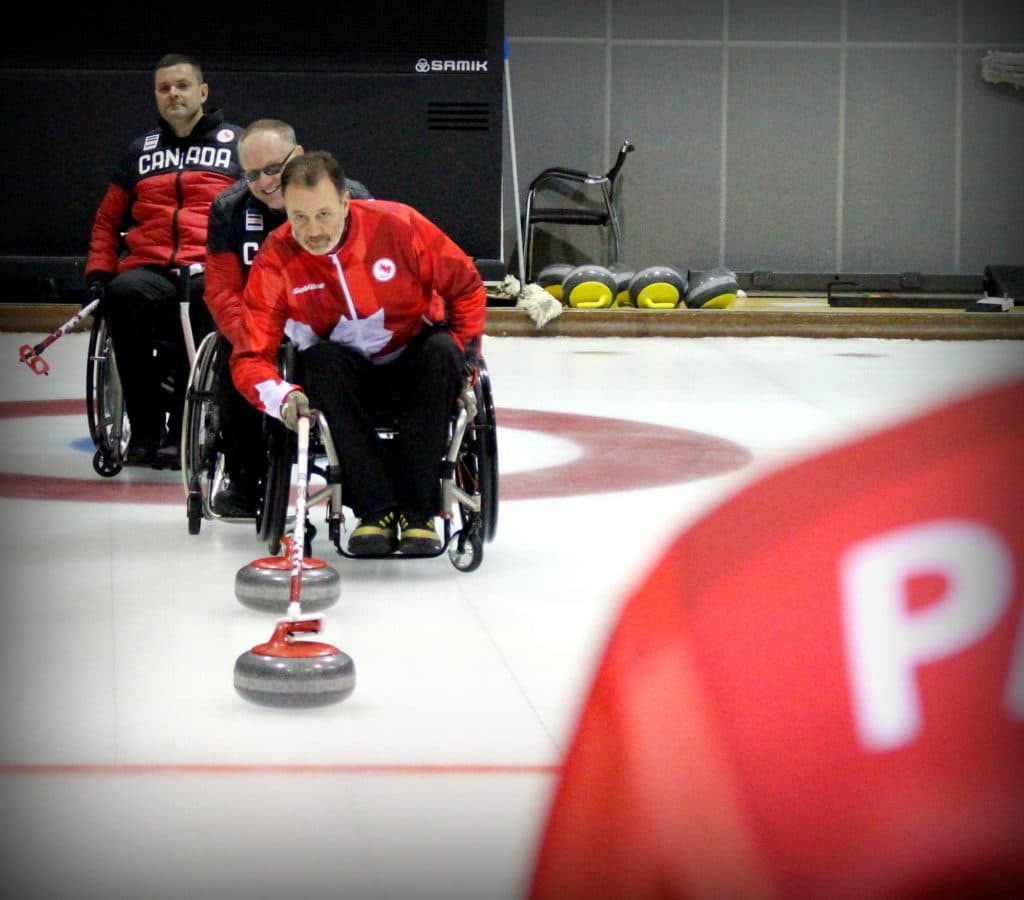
[[264, 313], [105, 241], [225, 282], [455, 279]]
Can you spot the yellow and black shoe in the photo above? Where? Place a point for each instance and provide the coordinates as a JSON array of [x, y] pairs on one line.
[[374, 535], [419, 537]]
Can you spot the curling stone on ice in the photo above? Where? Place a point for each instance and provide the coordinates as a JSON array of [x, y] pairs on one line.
[[265, 583], [589, 286], [294, 673], [713, 289], [657, 287], [286, 671]]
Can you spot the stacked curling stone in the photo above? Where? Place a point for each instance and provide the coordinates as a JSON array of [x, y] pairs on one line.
[[551, 277], [714, 289], [623, 275], [592, 286], [589, 286], [658, 287]]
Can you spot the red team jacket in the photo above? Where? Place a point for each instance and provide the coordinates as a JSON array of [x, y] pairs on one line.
[[160, 194], [394, 272], [239, 223], [818, 692]]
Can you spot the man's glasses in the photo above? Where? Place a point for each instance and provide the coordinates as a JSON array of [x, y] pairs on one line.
[[270, 171]]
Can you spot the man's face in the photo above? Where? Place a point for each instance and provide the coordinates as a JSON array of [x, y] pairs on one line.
[[266, 149], [317, 215], [180, 96]]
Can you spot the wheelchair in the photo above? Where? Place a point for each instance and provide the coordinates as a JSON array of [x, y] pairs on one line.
[[202, 451], [468, 475], [109, 428], [108, 421]]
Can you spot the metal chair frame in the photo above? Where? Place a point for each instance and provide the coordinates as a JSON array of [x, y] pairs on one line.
[[560, 176]]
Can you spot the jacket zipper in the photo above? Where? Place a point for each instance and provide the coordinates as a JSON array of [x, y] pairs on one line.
[[180, 194], [344, 287]]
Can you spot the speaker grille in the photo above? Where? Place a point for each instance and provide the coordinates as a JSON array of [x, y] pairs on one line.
[[458, 116]]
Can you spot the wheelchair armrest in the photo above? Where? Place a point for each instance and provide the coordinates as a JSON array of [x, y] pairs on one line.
[[473, 370]]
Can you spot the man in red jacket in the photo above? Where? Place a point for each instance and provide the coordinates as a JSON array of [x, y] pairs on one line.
[[240, 220], [153, 220], [383, 307], [831, 705]]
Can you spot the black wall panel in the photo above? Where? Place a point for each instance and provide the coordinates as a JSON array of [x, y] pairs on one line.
[[407, 95]]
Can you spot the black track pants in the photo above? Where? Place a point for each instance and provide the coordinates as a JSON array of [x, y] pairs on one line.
[[141, 306], [420, 388]]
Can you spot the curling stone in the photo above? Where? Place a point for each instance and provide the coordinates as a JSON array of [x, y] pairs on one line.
[[589, 286], [265, 584], [714, 289], [657, 287], [623, 275], [551, 277], [286, 672]]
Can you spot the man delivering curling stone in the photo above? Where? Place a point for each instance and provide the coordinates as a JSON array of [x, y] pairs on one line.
[[240, 219], [382, 306]]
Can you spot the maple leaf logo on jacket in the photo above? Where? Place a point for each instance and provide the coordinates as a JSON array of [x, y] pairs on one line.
[[365, 336], [384, 269]]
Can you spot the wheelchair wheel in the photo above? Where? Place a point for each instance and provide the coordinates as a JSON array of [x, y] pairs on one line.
[[272, 514], [485, 436], [200, 432], [282, 447], [476, 473], [476, 470], [194, 512], [108, 423], [466, 552]]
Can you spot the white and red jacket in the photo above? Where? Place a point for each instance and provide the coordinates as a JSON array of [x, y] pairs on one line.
[[829, 706], [394, 273]]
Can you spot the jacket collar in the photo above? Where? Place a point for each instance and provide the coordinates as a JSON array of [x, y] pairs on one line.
[[207, 122]]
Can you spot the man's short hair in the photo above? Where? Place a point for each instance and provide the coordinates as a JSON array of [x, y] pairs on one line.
[[278, 126], [179, 59], [311, 168]]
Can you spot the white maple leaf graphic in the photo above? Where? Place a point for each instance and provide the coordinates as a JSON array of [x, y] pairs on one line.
[[365, 336], [300, 334], [272, 394]]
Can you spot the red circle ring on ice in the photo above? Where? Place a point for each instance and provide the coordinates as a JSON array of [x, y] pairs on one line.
[[614, 455]]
